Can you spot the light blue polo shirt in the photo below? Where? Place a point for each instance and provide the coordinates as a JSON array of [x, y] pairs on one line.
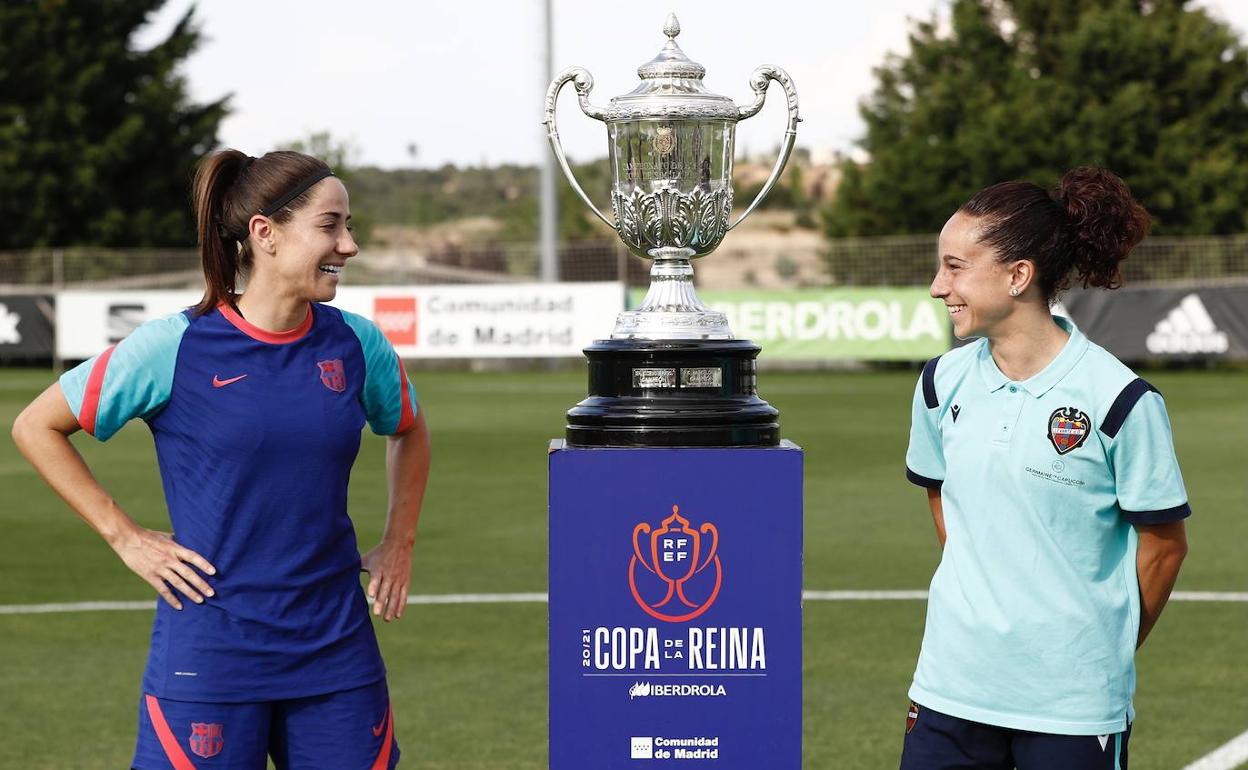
[[1033, 613]]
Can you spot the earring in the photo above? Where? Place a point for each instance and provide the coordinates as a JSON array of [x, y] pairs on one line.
[[1013, 291]]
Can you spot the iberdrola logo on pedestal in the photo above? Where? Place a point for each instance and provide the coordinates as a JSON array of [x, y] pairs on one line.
[[677, 557]]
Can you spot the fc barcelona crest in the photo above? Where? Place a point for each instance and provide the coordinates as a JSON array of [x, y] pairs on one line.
[[1068, 427], [206, 739], [332, 375]]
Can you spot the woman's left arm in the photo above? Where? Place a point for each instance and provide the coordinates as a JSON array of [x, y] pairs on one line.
[[1161, 551], [389, 565]]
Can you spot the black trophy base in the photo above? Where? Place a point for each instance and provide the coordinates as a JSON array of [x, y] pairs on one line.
[[673, 393]]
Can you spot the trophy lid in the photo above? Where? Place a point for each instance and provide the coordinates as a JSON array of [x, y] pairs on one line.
[[671, 88]]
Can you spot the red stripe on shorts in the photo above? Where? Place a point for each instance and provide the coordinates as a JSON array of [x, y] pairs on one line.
[[167, 742]]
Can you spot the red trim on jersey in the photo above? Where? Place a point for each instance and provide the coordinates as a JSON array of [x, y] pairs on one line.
[[167, 742], [383, 758], [91, 398], [407, 416], [256, 333]]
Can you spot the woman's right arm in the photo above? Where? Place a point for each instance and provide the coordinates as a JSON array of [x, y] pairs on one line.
[[41, 433]]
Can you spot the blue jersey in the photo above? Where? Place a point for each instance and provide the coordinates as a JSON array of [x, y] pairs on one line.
[[1033, 613], [255, 436]]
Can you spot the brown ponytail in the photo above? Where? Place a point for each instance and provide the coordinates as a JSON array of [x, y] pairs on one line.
[[1105, 223], [1084, 228], [229, 189]]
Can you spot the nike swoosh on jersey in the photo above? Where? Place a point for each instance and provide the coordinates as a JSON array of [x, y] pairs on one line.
[[217, 382]]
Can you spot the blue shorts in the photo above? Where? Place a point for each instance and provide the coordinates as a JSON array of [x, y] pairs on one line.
[[342, 730], [936, 741]]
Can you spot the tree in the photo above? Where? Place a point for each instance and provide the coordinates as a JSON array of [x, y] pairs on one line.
[[98, 140], [1156, 90], [340, 155]]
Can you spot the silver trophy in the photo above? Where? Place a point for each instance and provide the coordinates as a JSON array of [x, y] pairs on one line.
[[671, 146], [672, 374]]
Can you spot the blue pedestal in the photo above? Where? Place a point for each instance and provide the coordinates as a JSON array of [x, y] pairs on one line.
[[675, 608]]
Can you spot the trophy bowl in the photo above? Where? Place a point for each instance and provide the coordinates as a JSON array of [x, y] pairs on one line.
[[671, 373]]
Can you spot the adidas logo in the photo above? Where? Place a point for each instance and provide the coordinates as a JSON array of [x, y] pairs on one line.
[[9, 334], [1187, 329]]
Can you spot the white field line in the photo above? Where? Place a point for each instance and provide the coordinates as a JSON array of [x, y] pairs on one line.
[[1210, 596], [861, 596], [1232, 755], [541, 598], [477, 599]]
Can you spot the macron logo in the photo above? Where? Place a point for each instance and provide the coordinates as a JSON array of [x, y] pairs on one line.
[[1187, 329]]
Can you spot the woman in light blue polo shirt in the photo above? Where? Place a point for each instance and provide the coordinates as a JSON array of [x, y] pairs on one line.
[[1054, 488]]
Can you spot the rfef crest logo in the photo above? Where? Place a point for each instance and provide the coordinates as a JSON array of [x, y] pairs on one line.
[[669, 574], [396, 317], [332, 375], [1068, 427], [206, 739]]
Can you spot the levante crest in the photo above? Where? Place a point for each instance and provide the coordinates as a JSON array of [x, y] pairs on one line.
[[1068, 428], [670, 559]]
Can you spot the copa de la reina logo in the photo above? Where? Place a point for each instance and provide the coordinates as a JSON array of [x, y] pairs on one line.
[[675, 576], [673, 556]]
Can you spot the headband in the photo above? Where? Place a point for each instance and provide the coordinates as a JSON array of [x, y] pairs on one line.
[[295, 192]]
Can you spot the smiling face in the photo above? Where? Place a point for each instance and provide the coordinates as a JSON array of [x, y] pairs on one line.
[[311, 248], [971, 281]]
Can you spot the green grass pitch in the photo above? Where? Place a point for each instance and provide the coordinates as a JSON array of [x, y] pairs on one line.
[[469, 682]]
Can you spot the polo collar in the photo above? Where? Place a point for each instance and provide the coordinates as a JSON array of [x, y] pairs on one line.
[[1044, 380]]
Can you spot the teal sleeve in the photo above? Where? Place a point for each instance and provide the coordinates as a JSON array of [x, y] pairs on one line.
[[388, 397], [925, 457], [133, 378], [1146, 470]]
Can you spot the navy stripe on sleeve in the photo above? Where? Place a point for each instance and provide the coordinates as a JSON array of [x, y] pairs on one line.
[[923, 481], [1123, 405], [929, 384], [1177, 513]]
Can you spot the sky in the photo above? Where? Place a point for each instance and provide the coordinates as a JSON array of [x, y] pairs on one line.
[[464, 81]]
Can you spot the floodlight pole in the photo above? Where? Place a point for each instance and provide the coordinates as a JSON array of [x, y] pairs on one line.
[[549, 204]]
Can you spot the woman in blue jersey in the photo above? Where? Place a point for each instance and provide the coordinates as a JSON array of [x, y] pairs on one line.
[[1054, 488], [263, 645]]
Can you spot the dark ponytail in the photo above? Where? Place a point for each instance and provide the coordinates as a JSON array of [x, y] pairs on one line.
[[1083, 229], [229, 189], [1105, 224]]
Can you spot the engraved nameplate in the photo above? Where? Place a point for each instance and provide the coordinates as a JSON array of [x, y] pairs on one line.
[[654, 378], [704, 377]]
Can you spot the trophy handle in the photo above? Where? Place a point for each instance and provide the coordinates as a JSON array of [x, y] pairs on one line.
[[641, 529], [759, 80], [710, 554], [584, 84]]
